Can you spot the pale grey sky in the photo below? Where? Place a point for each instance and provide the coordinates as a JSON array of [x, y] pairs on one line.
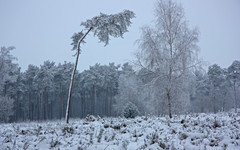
[[41, 29]]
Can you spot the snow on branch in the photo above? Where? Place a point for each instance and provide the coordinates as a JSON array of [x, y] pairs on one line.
[[76, 37], [109, 25]]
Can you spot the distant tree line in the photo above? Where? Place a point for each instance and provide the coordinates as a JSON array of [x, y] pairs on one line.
[[40, 93], [217, 89]]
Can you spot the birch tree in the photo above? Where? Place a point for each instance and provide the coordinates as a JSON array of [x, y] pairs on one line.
[[103, 26], [168, 50]]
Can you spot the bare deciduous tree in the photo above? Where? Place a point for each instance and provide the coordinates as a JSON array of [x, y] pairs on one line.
[[169, 49]]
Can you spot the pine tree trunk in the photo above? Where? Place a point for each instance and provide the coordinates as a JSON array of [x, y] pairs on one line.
[[39, 106], [17, 112], [83, 104], [95, 99], [169, 104], [29, 106], [61, 102], [61, 106], [214, 105], [72, 78], [110, 102], [235, 96], [44, 104], [106, 104], [32, 110]]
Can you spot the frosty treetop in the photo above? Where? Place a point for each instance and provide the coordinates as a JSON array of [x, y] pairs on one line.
[[105, 25]]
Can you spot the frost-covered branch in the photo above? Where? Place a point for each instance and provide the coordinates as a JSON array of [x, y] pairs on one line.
[[109, 25]]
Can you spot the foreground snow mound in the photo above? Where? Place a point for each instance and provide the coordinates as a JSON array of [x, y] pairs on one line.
[[190, 132]]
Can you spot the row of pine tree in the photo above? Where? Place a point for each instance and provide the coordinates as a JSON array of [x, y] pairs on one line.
[[40, 93]]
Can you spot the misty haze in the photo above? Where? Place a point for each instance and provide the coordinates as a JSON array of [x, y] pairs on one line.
[[111, 75]]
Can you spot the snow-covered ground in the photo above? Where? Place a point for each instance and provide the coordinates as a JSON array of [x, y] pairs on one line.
[[189, 132]]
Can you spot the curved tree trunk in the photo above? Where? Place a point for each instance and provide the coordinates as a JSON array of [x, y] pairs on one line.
[[72, 78]]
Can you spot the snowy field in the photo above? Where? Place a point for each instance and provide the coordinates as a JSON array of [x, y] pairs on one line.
[[189, 132]]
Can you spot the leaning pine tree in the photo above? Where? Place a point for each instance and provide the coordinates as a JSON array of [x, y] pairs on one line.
[[103, 26]]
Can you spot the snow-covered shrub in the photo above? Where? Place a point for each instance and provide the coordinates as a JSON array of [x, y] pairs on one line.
[[38, 130], [25, 146], [216, 124], [67, 130], [100, 135], [116, 127], [183, 136], [130, 110], [162, 144], [122, 133], [90, 118], [91, 138], [153, 137], [54, 143], [125, 144]]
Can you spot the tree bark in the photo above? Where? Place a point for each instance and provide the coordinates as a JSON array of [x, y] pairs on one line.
[[110, 102], [106, 102], [95, 100], [61, 102], [29, 106], [72, 78], [169, 104], [235, 96]]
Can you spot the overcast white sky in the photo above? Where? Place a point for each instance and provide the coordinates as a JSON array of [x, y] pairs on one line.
[[41, 29]]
